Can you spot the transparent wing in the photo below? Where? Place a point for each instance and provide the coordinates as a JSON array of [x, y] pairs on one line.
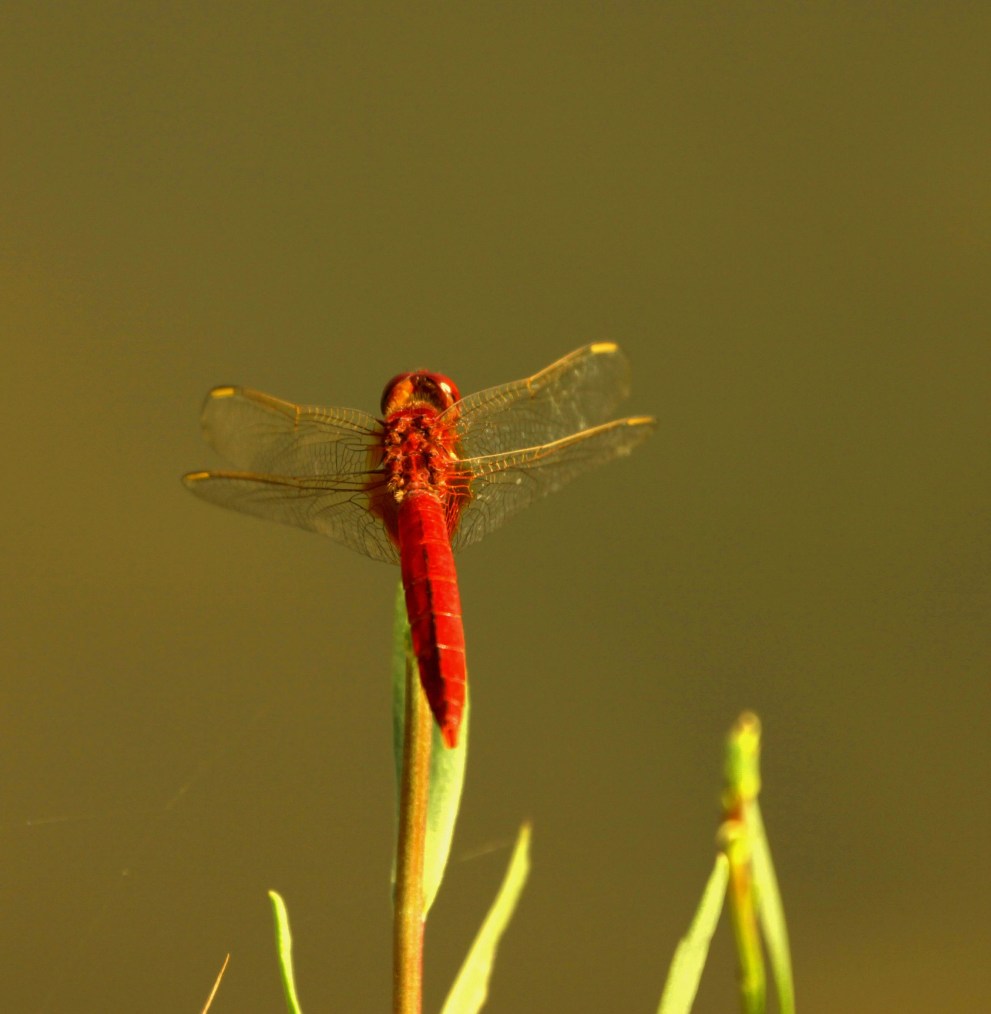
[[311, 468], [576, 393], [319, 469], [259, 433], [339, 507], [503, 484]]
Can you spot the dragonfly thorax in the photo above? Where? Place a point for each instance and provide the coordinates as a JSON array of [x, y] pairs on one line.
[[418, 452]]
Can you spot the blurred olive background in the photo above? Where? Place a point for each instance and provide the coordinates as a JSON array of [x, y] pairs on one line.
[[781, 213]]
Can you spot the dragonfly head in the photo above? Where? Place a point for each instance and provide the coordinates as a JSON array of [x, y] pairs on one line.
[[409, 390]]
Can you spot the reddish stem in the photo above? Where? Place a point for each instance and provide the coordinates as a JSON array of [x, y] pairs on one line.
[[408, 915]]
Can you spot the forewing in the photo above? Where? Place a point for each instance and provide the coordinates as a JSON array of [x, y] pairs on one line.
[[503, 484], [576, 393], [259, 433], [336, 507]]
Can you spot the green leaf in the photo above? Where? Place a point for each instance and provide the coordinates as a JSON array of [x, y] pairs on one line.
[[471, 987], [283, 940], [447, 767], [685, 972]]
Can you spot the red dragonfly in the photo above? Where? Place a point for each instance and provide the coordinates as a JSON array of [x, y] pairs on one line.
[[435, 473]]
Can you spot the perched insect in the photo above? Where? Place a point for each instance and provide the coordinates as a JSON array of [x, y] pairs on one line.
[[436, 473]]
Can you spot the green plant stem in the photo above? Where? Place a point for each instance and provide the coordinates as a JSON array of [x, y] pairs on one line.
[[739, 797], [408, 915], [743, 912]]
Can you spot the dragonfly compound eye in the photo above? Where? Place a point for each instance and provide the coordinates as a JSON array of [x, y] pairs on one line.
[[396, 393], [408, 390], [436, 389]]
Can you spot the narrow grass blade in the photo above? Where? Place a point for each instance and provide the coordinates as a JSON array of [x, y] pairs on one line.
[[471, 987], [770, 910], [447, 767], [216, 985], [283, 940], [689, 958]]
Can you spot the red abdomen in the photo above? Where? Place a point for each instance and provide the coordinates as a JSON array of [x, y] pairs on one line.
[[434, 607]]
